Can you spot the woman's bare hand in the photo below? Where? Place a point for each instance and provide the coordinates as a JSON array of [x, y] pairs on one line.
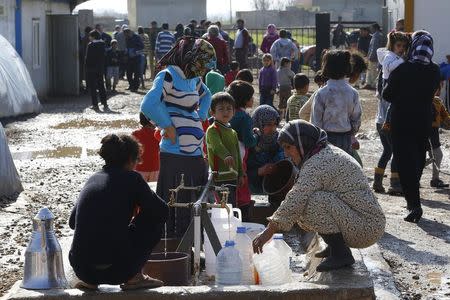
[[262, 238]]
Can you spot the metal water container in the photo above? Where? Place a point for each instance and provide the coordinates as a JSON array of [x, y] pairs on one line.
[[43, 258]]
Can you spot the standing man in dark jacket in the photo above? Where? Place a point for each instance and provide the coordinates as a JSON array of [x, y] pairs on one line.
[[135, 46], [95, 69], [364, 40], [410, 90], [378, 40], [241, 44]]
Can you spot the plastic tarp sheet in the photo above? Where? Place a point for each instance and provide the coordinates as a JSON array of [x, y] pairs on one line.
[[17, 93], [10, 185]]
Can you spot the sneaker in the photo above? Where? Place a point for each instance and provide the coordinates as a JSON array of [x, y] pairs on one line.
[[95, 108], [437, 183]]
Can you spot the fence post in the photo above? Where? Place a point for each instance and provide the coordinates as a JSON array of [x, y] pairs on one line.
[[322, 36]]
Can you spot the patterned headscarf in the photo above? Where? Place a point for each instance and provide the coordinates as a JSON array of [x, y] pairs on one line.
[[421, 50], [308, 139], [194, 56], [263, 115]]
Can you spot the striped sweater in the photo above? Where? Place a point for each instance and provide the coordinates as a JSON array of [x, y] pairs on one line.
[[182, 103], [164, 42]]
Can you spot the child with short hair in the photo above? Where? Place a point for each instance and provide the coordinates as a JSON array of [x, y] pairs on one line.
[[390, 58], [113, 58], [146, 136], [285, 76], [242, 92], [336, 107], [268, 81], [245, 75], [223, 144], [299, 98], [230, 76], [305, 111], [441, 120]]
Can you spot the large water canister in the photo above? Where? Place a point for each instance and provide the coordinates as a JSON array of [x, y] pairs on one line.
[[271, 267], [244, 246], [226, 230], [285, 250], [228, 265]]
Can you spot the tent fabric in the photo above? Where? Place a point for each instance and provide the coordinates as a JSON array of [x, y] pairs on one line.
[[10, 185], [17, 93]]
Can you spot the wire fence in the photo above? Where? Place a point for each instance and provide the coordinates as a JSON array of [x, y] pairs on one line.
[[304, 37]]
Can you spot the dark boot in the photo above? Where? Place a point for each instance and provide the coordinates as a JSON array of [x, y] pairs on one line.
[[378, 181], [324, 253], [340, 255], [414, 215], [396, 188]]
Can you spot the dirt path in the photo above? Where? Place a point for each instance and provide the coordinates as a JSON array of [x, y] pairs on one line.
[[55, 152]]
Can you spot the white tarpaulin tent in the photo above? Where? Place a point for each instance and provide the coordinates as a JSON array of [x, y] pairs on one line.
[[17, 93], [10, 184]]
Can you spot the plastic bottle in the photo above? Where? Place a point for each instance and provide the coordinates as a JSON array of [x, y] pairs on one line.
[[225, 229], [244, 246], [228, 265], [285, 251], [270, 267]]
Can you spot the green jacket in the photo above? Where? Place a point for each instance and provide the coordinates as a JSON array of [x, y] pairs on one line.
[[222, 141]]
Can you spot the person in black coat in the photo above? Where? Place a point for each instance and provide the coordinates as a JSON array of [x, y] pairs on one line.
[[135, 47], [95, 68], [117, 219], [410, 90]]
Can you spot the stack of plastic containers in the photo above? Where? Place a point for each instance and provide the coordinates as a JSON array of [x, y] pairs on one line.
[[228, 266], [225, 226], [244, 246]]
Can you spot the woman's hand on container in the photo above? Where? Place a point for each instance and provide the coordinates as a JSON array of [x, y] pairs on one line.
[[171, 134], [262, 238]]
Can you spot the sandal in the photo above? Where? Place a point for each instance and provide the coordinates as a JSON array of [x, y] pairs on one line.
[[145, 282]]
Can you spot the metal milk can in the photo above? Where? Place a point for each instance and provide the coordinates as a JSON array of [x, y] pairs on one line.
[[43, 267]]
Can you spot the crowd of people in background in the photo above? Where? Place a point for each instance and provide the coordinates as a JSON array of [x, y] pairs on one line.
[[357, 57], [196, 117]]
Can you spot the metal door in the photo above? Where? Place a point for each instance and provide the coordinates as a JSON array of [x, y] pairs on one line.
[[63, 55]]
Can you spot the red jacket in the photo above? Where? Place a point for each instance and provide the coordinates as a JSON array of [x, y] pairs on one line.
[[221, 50]]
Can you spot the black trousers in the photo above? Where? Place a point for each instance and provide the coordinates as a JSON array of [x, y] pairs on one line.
[[95, 82], [144, 236], [410, 153], [133, 73], [242, 57]]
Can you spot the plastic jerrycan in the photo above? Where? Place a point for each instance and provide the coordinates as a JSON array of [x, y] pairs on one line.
[[270, 266], [226, 230], [244, 246], [228, 265], [285, 250]]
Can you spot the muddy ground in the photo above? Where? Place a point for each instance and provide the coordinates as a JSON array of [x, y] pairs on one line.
[[55, 152]]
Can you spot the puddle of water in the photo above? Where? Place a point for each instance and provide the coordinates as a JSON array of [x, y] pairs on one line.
[[60, 152], [435, 278], [84, 123]]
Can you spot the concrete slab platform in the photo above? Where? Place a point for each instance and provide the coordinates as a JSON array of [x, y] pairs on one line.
[[350, 283]]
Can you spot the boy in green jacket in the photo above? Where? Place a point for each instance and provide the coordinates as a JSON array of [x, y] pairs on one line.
[[223, 145]]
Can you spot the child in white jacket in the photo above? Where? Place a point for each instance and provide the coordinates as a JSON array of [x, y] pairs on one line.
[[390, 58]]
